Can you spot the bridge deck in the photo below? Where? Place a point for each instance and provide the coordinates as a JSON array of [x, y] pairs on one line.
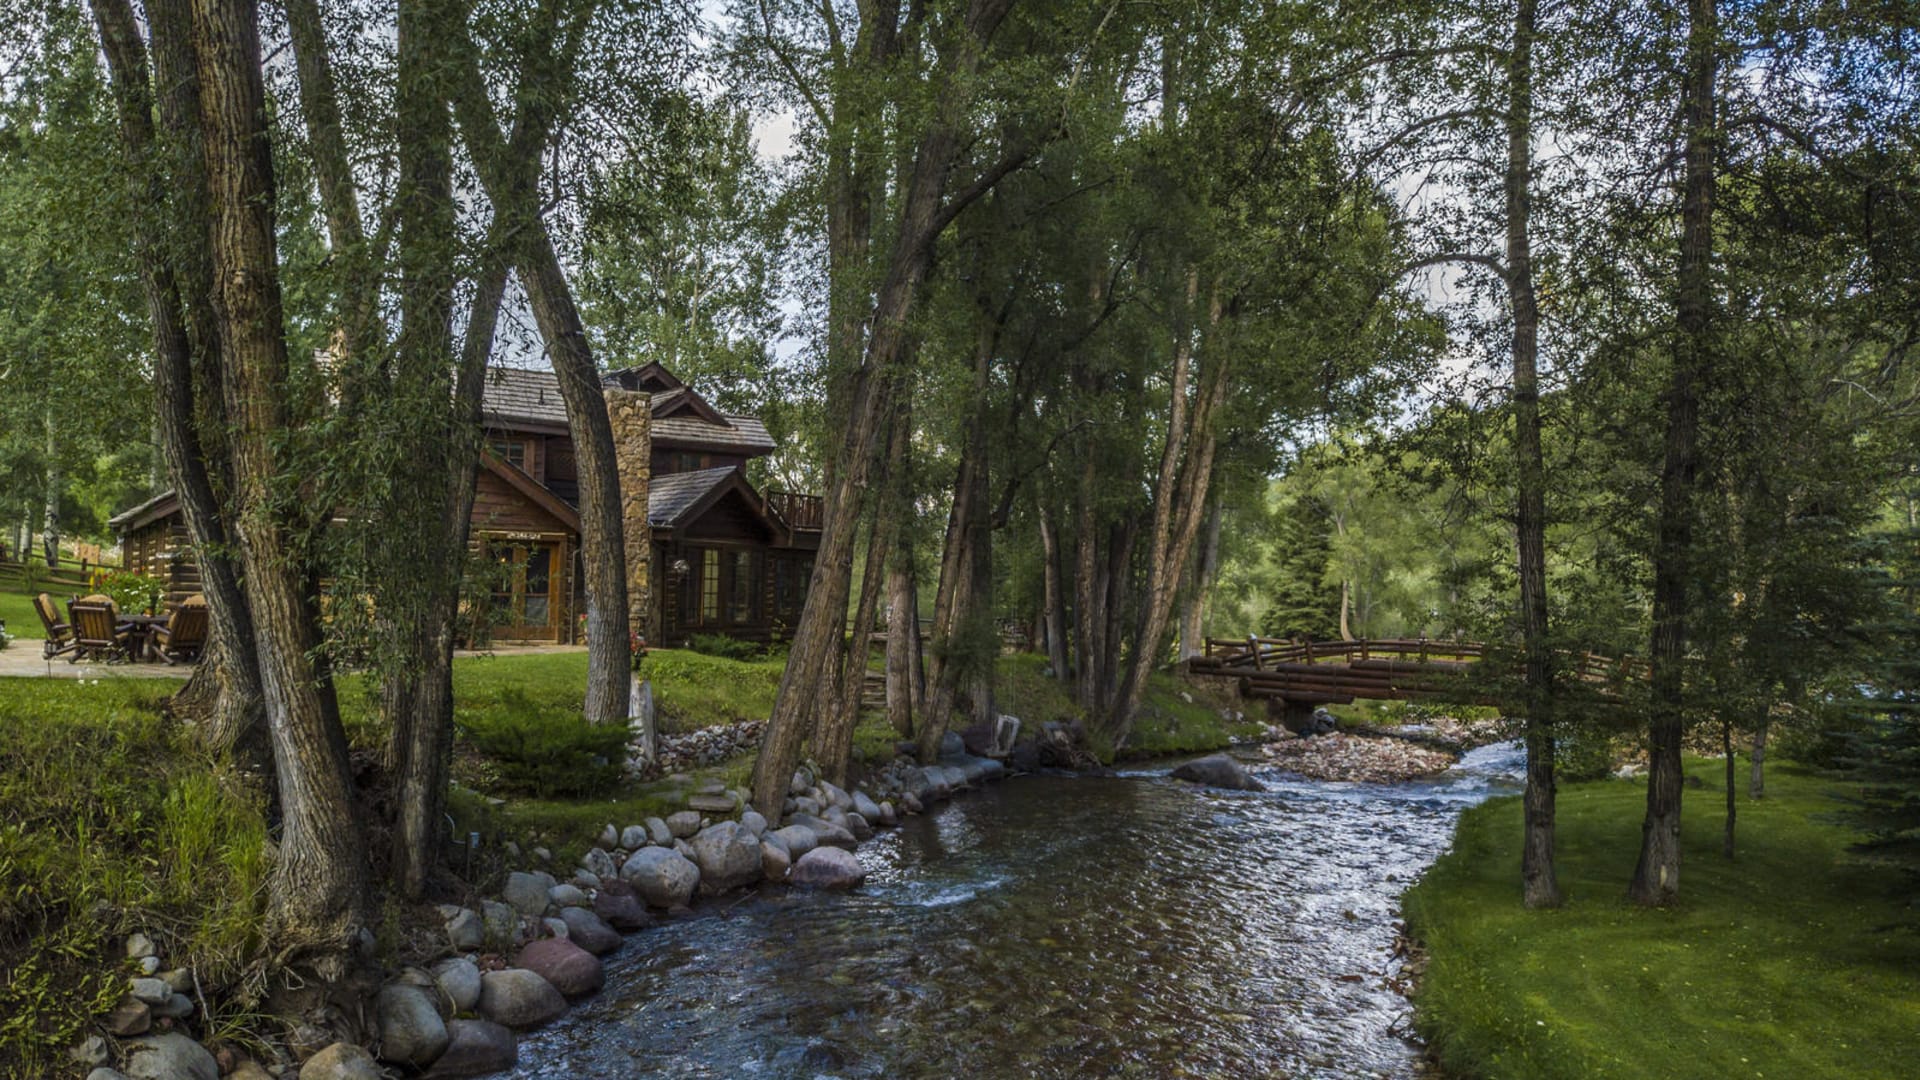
[[1395, 669]]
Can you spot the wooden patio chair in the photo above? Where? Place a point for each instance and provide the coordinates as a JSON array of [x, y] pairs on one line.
[[98, 633], [59, 634], [184, 633]]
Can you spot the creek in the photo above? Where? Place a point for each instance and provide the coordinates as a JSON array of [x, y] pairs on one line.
[[1054, 926]]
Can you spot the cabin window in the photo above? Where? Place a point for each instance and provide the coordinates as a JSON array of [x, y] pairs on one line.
[[539, 586], [710, 586], [511, 451], [684, 462]]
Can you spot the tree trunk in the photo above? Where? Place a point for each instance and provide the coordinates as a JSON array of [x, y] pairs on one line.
[[1726, 749], [508, 170], [1756, 770], [903, 633], [1205, 568], [1180, 503], [1539, 885], [318, 891], [1056, 621], [922, 217], [223, 693], [1656, 877], [50, 511], [441, 398]]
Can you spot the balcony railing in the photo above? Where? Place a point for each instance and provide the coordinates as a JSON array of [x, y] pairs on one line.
[[802, 512]]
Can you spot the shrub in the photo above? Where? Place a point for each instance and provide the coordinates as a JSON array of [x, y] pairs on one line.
[[545, 752], [1582, 755], [729, 648], [133, 592]]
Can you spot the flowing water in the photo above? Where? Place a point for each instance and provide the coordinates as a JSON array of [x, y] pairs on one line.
[[1053, 926]]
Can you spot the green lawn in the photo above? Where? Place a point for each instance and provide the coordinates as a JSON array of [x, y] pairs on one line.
[[1788, 961], [16, 610]]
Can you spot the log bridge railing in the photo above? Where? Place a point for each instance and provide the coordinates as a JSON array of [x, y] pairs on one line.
[[1308, 673]]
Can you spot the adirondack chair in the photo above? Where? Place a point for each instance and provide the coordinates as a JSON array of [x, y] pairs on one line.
[[59, 634], [98, 633], [184, 633]]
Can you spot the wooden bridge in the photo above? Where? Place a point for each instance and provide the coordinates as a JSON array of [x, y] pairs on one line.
[[1304, 674]]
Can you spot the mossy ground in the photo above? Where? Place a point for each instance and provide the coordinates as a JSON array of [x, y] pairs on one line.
[[1788, 961]]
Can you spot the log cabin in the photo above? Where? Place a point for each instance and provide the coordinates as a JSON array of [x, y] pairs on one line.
[[720, 556]]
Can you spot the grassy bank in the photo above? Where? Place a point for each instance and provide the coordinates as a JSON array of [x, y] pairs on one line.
[[1780, 963], [111, 820]]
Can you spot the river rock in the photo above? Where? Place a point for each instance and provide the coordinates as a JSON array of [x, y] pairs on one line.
[[620, 906], [826, 832], [139, 946], [657, 832], [911, 803], [169, 1056], [754, 823], [555, 926], [952, 745], [459, 979], [797, 839], [728, 857], [717, 803], [104, 1073], [806, 804], [411, 1030], [774, 861], [151, 991], [888, 816], [608, 839], [571, 969], [177, 1007], [502, 924], [600, 863], [663, 877], [179, 979], [465, 931], [341, 1061], [828, 868], [566, 896], [589, 931], [130, 1017], [1218, 770], [835, 795], [865, 806], [683, 823], [528, 893], [149, 964], [475, 1048], [90, 1051], [802, 780], [518, 998], [635, 837], [585, 881], [858, 826]]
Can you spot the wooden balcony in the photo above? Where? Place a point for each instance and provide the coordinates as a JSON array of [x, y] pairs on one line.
[[802, 513]]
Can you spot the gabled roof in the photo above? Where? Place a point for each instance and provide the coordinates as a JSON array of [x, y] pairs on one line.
[[529, 399], [160, 506], [677, 500], [652, 377], [744, 433], [536, 492]]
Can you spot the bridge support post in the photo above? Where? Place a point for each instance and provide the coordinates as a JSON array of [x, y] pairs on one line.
[[1295, 716]]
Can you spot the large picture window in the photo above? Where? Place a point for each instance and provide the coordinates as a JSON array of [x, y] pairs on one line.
[[710, 586]]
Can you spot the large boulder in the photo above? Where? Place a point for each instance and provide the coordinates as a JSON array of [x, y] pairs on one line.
[[728, 857], [518, 998], [827, 868], [528, 893], [411, 1029], [589, 931], [459, 979], [1218, 770], [475, 1048], [620, 906], [341, 1061], [169, 1056], [571, 969], [662, 876]]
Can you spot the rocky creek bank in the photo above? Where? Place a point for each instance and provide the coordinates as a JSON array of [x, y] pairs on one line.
[[519, 960]]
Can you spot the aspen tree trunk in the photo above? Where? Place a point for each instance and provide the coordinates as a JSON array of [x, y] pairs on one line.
[[1056, 603], [903, 634], [1756, 771], [1539, 886], [1205, 568], [223, 694], [1656, 876], [318, 891]]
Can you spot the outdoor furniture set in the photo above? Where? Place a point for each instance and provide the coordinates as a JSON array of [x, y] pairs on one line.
[[95, 629]]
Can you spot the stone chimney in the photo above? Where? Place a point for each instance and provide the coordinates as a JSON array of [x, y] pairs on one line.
[[631, 413]]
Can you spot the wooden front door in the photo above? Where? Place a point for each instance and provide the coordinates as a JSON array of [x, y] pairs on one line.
[[525, 602]]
